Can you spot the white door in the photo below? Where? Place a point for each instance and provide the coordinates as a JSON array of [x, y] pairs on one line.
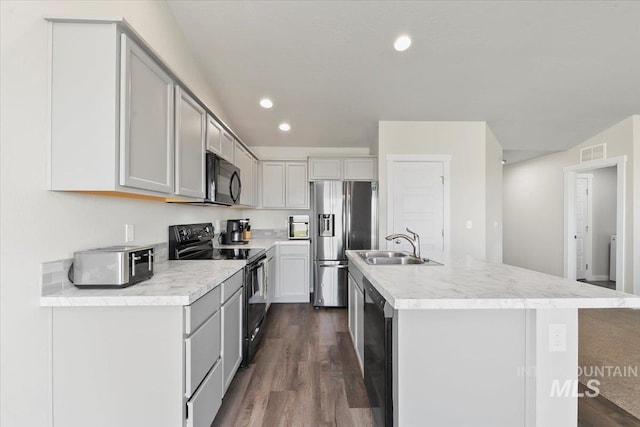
[[582, 234], [416, 201]]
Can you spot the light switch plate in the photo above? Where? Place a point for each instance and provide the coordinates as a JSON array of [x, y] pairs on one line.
[[469, 224], [557, 337], [129, 233]]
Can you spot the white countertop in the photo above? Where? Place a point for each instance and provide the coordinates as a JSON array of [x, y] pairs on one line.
[[173, 283], [465, 283]]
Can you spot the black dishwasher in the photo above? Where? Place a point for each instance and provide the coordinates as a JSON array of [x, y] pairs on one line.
[[378, 366]]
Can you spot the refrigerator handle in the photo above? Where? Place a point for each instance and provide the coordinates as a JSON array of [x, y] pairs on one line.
[[347, 215]]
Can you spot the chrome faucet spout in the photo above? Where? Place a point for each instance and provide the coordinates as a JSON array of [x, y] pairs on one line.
[[415, 241]]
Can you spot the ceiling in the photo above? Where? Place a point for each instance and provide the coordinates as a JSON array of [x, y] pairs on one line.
[[544, 75]]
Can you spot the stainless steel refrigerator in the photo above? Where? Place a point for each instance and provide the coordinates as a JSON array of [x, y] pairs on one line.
[[345, 217]]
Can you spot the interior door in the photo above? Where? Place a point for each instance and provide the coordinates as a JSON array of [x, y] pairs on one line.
[[582, 226], [416, 198]]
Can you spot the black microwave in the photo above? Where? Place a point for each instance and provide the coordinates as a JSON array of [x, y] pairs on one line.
[[222, 181]]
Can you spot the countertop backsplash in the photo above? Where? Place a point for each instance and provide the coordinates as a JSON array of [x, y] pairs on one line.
[[55, 273], [269, 233]]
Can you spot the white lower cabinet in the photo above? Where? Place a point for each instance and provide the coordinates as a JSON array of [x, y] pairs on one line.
[[356, 316], [231, 337], [161, 366], [293, 273]]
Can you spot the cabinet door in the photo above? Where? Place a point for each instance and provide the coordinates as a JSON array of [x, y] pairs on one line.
[[325, 169], [146, 122], [231, 337], [293, 280], [190, 146], [352, 309], [359, 321], [297, 186], [227, 146], [243, 160], [359, 169], [254, 169], [213, 135], [273, 184]]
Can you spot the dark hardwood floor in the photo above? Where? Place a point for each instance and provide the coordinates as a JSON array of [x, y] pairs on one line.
[[305, 374], [601, 412]]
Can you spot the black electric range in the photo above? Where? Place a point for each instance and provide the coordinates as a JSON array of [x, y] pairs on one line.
[[195, 241]]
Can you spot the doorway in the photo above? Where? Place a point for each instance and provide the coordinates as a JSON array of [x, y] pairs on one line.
[[594, 222]]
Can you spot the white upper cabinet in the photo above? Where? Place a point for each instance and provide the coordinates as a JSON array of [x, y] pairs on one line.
[[111, 113], [244, 161], [146, 121], [214, 134], [359, 169], [342, 169], [297, 188], [190, 146], [227, 146], [322, 169], [284, 185]]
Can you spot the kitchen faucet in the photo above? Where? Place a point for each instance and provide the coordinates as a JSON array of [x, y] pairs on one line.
[[415, 241]]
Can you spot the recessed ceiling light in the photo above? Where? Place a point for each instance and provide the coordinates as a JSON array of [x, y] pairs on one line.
[[402, 43], [284, 127], [266, 103]]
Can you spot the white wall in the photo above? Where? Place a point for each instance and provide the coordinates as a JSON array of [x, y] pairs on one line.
[[533, 204], [604, 218], [38, 225], [466, 142]]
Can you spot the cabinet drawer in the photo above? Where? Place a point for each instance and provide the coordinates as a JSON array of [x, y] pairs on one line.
[[204, 405], [196, 313], [288, 249], [202, 349], [231, 285]]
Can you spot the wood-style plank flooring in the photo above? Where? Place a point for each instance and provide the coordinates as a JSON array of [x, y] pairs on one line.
[[600, 412], [305, 374]]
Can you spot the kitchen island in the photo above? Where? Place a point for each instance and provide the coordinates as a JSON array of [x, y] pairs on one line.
[[483, 344]]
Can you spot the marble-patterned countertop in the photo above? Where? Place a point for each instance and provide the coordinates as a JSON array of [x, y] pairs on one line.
[[466, 283], [173, 283]]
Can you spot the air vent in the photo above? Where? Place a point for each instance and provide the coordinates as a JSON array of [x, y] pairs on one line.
[[594, 152]]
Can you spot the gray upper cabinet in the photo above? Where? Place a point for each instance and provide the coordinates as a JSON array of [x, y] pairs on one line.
[[213, 135], [146, 121], [244, 160], [190, 146], [227, 146]]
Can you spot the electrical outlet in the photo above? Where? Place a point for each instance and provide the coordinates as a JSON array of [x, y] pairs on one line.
[[216, 225], [129, 233], [557, 337], [469, 224]]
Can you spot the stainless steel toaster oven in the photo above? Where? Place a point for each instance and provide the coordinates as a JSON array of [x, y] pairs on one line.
[[112, 267]]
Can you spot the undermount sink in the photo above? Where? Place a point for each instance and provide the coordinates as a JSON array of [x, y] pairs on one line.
[[393, 258], [382, 254]]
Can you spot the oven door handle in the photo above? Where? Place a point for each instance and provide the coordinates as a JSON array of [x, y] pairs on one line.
[[333, 266]]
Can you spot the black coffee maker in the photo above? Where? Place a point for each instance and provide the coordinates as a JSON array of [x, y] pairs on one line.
[[235, 232]]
